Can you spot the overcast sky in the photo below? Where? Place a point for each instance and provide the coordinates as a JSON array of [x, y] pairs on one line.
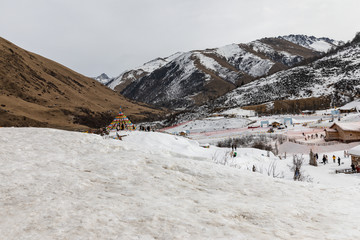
[[96, 36]]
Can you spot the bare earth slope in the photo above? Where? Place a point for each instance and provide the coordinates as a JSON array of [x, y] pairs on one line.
[[35, 91]]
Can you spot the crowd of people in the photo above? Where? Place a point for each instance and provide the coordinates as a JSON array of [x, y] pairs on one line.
[[313, 136], [145, 128]]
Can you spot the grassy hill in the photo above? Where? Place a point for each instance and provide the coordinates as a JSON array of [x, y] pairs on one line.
[[38, 92]]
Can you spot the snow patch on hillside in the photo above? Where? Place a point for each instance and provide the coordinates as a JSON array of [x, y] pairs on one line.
[[321, 46], [245, 61], [286, 58]]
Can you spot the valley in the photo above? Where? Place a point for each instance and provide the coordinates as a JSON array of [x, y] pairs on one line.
[[208, 144]]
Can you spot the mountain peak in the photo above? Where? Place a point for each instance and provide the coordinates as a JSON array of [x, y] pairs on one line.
[[103, 78], [322, 44]]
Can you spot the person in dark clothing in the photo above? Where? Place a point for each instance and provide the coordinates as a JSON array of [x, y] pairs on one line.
[[353, 167], [339, 160], [324, 159]]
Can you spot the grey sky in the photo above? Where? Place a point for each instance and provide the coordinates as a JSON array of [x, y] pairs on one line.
[[110, 36]]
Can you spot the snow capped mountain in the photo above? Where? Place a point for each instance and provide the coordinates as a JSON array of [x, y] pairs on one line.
[[103, 78], [193, 78], [125, 78], [335, 77], [318, 44]]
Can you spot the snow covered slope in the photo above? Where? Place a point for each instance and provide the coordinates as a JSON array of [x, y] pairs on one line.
[[65, 185], [336, 76]]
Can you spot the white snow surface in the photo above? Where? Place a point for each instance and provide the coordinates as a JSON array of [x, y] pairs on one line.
[[211, 124], [351, 105], [65, 185], [321, 46], [240, 112]]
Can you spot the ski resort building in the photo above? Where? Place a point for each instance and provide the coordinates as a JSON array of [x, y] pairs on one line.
[[355, 155], [350, 107], [343, 132]]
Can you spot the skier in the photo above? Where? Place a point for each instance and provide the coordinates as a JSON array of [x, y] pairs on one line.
[[339, 160], [334, 158]]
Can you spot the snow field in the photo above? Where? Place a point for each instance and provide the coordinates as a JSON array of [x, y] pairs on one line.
[[65, 185]]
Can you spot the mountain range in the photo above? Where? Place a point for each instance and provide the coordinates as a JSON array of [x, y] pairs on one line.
[[332, 80], [193, 78]]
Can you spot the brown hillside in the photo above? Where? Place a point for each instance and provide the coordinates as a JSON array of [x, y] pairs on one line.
[[35, 91]]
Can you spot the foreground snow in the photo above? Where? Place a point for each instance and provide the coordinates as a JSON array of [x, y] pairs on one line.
[[65, 185]]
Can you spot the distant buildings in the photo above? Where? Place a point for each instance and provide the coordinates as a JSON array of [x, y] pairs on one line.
[[355, 155], [353, 106]]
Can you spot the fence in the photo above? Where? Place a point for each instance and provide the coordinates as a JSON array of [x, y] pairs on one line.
[[312, 144]]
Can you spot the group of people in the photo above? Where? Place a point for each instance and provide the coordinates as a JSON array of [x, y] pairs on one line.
[[312, 136], [146, 129], [325, 159], [124, 126], [120, 127], [233, 152]]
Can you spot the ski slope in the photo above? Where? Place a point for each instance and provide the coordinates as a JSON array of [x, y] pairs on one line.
[[65, 185]]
